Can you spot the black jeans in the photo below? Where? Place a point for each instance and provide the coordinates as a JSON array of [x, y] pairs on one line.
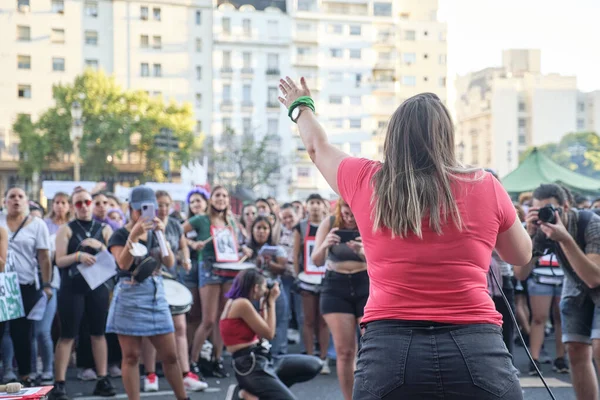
[[423, 360], [257, 374], [21, 330]]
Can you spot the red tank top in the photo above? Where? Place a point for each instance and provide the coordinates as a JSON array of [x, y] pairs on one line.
[[236, 331]]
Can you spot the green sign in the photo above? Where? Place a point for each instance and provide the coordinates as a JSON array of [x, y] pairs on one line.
[[11, 302]]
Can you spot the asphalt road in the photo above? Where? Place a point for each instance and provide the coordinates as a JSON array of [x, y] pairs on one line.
[[326, 387]]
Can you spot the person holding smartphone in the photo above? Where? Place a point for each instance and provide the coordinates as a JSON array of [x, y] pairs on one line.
[[345, 287]]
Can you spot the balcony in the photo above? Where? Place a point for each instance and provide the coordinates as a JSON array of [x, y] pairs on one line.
[[385, 40], [384, 86], [226, 106], [247, 72], [247, 106], [385, 65], [273, 72], [306, 61], [226, 72], [306, 37], [272, 106]]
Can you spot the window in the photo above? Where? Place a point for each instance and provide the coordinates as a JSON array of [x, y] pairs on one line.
[[198, 126], [247, 26], [303, 172], [247, 94], [23, 33], [198, 72], [522, 123], [522, 139], [226, 123], [442, 59], [91, 8], [272, 126], [24, 91], [145, 69], [144, 41], [22, 3], [198, 45], [247, 126], [157, 70], [409, 80], [382, 9], [581, 107], [304, 5], [156, 14], [335, 99], [226, 23], [381, 124], [272, 61], [58, 6], [57, 36], [355, 53], [521, 106], [24, 62], [302, 27], [226, 59], [336, 53], [409, 35], [156, 42], [247, 56], [355, 30], [442, 81], [198, 99], [144, 13], [93, 64], [355, 148], [355, 123], [336, 29], [409, 58], [198, 17], [58, 64], [337, 123], [272, 28], [227, 93], [336, 76], [272, 94], [355, 100], [580, 124], [91, 38]]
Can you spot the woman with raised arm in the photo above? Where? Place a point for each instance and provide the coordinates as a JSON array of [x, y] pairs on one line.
[[428, 225]]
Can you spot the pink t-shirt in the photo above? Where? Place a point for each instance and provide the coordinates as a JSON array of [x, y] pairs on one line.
[[440, 278]]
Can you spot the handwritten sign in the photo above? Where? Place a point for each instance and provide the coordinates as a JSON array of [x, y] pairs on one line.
[[11, 303]]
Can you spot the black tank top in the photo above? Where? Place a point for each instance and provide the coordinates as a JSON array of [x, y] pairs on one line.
[[82, 230]]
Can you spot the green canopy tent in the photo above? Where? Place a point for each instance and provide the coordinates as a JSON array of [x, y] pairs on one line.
[[537, 169]]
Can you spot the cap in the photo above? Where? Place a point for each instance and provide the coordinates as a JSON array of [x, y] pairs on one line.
[[140, 195], [314, 196]]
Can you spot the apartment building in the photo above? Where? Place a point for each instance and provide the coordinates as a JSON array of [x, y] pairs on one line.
[[362, 59], [162, 47], [501, 111], [251, 51]]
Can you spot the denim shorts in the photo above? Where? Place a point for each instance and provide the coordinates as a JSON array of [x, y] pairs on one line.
[[139, 309], [579, 315], [344, 293], [190, 279], [539, 289], [206, 276], [416, 360]]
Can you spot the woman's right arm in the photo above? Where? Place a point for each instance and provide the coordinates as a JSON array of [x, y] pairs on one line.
[[514, 245], [263, 327], [297, 250], [122, 256], [63, 259]]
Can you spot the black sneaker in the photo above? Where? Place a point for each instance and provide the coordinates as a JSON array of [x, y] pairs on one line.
[[59, 392], [218, 369], [560, 366], [196, 370], [233, 393], [532, 371], [104, 387], [28, 382]]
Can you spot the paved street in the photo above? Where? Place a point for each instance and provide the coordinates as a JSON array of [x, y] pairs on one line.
[[326, 387]]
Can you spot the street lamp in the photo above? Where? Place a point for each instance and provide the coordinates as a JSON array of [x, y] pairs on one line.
[[76, 135]]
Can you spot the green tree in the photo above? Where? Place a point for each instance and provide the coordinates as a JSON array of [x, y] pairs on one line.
[[115, 122], [244, 161], [579, 152]]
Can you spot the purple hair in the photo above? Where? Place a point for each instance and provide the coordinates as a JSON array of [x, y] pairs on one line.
[[243, 284], [198, 190]]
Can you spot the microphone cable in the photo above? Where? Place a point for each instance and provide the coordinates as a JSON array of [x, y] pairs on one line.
[[512, 315]]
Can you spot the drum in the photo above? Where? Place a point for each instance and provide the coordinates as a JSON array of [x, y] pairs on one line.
[[230, 270], [178, 296], [548, 276], [309, 282]]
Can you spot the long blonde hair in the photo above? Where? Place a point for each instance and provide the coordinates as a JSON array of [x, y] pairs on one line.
[[419, 166]]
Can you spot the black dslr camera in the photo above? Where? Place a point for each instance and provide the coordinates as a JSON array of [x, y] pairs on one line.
[[270, 284], [541, 243], [548, 214]]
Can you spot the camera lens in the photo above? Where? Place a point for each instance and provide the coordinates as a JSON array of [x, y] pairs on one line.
[[547, 214]]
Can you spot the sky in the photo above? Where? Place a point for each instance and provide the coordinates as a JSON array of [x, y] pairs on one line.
[[567, 33]]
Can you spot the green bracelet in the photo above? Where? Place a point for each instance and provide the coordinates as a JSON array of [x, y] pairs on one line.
[[302, 101]]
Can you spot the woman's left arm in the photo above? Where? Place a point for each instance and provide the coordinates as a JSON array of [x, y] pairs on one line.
[[324, 155], [106, 234], [169, 260], [3, 248]]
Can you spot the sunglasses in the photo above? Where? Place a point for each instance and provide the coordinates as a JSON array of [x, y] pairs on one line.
[[80, 203]]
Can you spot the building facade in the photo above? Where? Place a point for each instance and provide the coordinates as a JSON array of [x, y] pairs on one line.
[[44, 42], [502, 111]]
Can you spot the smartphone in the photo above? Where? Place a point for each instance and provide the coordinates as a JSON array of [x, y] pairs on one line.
[[148, 211], [347, 235]]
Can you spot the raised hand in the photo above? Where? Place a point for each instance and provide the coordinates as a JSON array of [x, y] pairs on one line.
[[291, 91]]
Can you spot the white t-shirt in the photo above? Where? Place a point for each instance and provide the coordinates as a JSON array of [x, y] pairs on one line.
[[22, 252]]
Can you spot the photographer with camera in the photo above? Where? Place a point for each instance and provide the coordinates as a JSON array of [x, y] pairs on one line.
[[574, 236], [243, 328]]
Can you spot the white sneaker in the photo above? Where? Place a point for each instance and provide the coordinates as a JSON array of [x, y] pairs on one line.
[[193, 383], [114, 371], [151, 383], [326, 370], [87, 375]]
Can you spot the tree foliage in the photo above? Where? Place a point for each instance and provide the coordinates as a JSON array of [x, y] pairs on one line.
[[115, 122], [245, 161], [579, 152]]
